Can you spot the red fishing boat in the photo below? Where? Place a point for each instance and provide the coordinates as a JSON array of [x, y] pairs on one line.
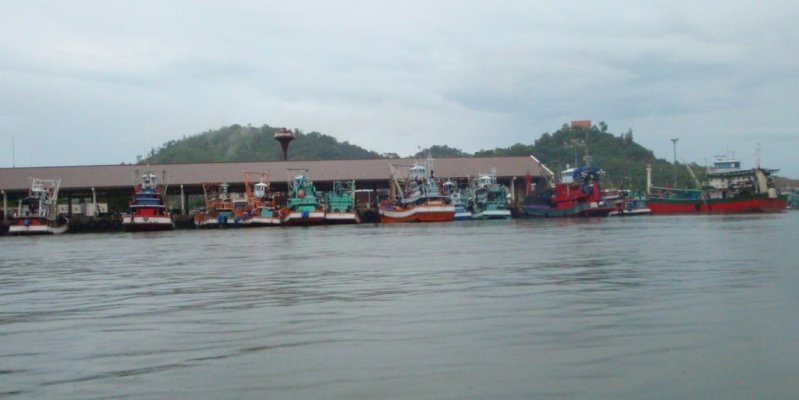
[[148, 212], [261, 207], [416, 197], [729, 189], [219, 207], [577, 194]]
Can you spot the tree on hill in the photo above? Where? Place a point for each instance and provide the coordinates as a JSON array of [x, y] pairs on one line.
[[437, 151]]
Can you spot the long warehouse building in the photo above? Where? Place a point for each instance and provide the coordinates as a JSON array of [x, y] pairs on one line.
[[105, 181]]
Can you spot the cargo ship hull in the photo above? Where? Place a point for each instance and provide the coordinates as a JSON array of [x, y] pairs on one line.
[[749, 204]]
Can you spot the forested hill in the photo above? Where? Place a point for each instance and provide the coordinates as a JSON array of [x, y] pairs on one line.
[[247, 143], [623, 160]]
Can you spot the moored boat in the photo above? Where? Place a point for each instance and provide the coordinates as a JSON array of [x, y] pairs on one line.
[[490, 198], [340, 204], [460, 200], [577, 194], [261, 207], [218, 207], [729, 189], [147, 209], [416, 197], [37, 214], [303, 206], [625, 203]]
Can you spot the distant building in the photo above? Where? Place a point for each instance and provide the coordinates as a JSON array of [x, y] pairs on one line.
[[581, 124]]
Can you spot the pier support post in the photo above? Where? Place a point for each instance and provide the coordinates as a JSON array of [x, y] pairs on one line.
[[94, 202], [182, 200], [513, 190], [5, 207], [69, 203]]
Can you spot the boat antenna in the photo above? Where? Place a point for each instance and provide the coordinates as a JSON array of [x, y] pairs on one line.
[[757, 162], [13, 151]]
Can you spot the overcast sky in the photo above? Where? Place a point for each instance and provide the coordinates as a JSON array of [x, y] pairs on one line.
[[101, 82]]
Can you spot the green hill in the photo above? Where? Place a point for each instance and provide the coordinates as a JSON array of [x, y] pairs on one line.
[[623, 160], [247, 143]]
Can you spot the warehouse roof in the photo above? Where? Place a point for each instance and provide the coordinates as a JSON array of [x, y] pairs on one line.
[[114, 176]]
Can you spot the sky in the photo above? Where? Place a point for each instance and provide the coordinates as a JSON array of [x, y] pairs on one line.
[[100, 82]]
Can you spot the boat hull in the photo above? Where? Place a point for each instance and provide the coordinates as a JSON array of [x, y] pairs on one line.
[[147, 224], [462, 216], [492, 214], [635, 211], [753, 204], [581, 210], [297, 218], [420, 213], [342, 218], [261, 221], [33, 229]]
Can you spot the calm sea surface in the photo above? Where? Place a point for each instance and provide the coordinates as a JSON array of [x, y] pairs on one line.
[[640, 307]]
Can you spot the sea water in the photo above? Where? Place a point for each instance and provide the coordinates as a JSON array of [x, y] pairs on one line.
[[639, 307]]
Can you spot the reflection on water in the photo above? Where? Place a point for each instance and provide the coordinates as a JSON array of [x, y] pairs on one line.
[[602, 308]]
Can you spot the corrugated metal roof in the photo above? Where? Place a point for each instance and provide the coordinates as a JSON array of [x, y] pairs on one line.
[[112, 176]]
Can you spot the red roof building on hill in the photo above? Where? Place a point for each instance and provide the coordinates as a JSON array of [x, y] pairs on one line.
[[581, 124]]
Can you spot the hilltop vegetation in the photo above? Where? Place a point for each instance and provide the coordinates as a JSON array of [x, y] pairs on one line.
[[623, 160], [247, 143]]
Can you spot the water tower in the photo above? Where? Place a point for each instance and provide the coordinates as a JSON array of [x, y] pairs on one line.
[[284, 136]]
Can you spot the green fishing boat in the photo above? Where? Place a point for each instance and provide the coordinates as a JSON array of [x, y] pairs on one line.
[[303, 206], [340, 204]]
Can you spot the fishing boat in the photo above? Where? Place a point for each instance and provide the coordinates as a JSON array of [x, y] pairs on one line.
[[261, 206], [303, 206], [460, 200], [625, 203], [415, 196], [218, 206], [340, 204], [490, 198], [147, 209], [728, 189], [577, 194], [37, 213]]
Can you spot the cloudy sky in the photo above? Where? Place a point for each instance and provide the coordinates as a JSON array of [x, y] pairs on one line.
[[85, 82]]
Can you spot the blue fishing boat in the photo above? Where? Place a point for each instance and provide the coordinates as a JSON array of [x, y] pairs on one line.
[[459, 199]]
